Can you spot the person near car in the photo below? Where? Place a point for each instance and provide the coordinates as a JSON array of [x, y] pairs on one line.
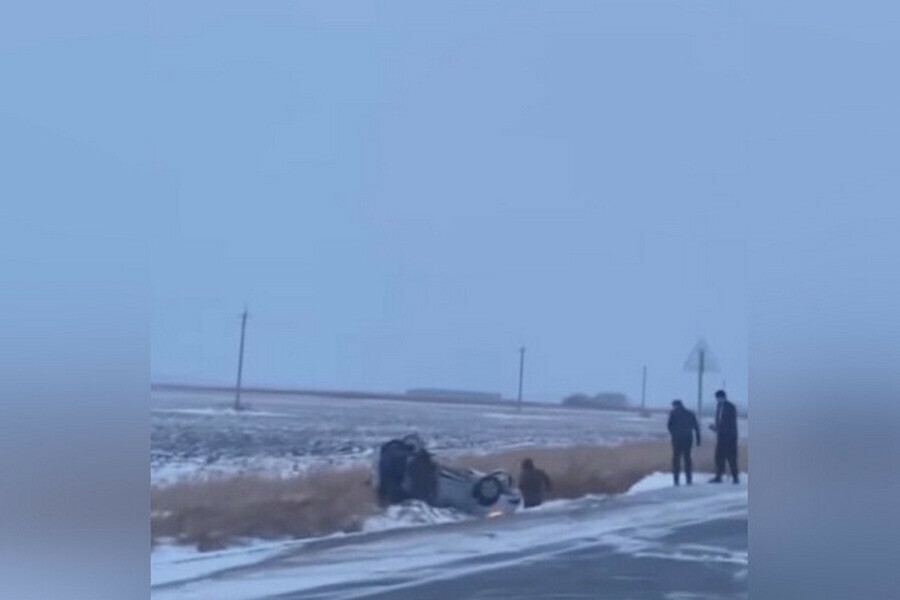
[[423, 476], [392, 472], [683, 428], [392, 458], [726, 429], [533, 484]]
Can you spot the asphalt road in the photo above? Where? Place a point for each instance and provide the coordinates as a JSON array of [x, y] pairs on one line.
[[600, 572], [670, 544]]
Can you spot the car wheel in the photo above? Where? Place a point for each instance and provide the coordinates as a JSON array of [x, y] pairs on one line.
[[487, 490]]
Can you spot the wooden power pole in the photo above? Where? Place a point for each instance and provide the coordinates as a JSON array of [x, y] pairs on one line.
[[237, 393], [521, 374]]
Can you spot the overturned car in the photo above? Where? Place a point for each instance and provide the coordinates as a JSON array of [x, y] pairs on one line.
[[404, 470]]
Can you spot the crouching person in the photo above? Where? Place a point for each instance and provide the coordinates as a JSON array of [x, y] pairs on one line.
[[533, 483]]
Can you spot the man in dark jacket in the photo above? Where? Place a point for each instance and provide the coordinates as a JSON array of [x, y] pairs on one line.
[[422, 474], [393, 461], [533, 482], [683, 427], [726, 437]]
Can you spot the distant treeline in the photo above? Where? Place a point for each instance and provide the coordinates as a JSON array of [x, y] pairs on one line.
[[455, 394], [602, 400]]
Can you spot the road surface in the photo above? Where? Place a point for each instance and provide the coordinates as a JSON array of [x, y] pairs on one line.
[[673, 544]]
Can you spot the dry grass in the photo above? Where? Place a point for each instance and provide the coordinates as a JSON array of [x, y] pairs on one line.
[[212, 513], [581, 470]]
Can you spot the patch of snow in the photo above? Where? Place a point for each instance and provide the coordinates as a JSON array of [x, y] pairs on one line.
[[173, 471], [219, 412], [658, 481], [170, 563], [566, 504], [697, 553], [399, 562], [654, 481], [524, 416], [412, 514]]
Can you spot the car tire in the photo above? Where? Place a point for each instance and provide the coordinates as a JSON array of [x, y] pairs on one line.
[[487, 490]]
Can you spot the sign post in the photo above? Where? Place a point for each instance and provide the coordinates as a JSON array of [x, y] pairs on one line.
[[702, 361]]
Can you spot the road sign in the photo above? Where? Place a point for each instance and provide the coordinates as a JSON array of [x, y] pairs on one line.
[[701, 361], [701, 358]]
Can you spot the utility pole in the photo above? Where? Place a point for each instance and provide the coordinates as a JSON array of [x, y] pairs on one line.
[[700, 383], [644, 391], [237, 394], [521, 374]]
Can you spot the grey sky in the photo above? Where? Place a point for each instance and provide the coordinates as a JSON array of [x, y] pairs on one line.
[[405, 194]]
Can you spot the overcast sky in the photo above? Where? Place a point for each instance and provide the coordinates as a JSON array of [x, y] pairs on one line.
[[404, 195]]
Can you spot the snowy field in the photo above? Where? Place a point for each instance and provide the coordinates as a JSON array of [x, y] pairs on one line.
[[655, 542], [196, 433]]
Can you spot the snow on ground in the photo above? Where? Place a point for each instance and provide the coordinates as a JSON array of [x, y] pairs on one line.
[[515, 416], [658, 480], [412, 514], [169, 563], [565, 504], [223, 411], [638, 525], [169, 472], [173, 563], [201, 435], [654, 481]]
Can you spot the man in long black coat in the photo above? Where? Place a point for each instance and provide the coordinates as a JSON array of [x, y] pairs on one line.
[[683, 427], [726, 437]]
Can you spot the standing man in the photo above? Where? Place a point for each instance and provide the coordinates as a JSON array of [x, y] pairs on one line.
[[726, 437], [392, 468], [422, 476], [683, 427]]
